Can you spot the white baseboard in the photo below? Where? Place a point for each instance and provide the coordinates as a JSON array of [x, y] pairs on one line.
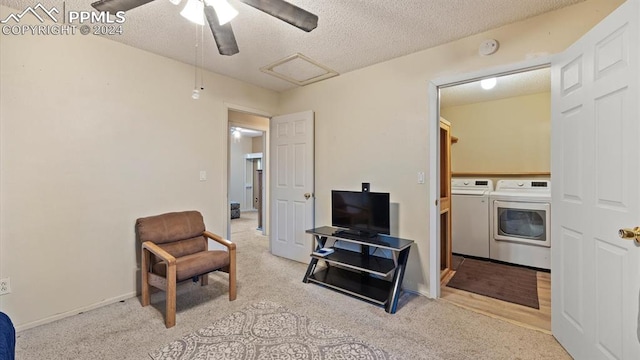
[[75, 311], [418, 292]]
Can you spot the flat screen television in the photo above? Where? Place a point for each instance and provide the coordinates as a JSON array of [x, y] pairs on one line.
[[363, 214]]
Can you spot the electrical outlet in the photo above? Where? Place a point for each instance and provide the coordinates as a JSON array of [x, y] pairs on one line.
[[5, 286]]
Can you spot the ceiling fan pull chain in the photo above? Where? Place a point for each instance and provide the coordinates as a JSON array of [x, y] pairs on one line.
[[202, 57], [195, 95]]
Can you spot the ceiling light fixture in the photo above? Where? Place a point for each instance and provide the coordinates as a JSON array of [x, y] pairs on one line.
[[488, 84], [175, 2], [194, 11], [224, 10], [237, 134]]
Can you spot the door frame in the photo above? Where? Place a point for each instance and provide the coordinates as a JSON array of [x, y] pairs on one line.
[[434, 150], [226, 211]]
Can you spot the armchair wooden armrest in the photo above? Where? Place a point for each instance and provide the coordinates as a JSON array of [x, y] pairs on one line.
[[231, 269], [167, 284], [219, 239], [159, 252]]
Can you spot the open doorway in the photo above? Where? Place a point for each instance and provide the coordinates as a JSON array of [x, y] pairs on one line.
[[247, 173], [502, 138]]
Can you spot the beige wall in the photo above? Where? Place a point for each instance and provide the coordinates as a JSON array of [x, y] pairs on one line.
[[256, 144], [95, 134], [372, 124], [509, 135]]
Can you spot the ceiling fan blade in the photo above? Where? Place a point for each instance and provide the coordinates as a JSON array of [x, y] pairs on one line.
[[113, 6], [287, 12], [223, 34]]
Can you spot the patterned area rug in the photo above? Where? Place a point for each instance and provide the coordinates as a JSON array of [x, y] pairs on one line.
[[267, 330]]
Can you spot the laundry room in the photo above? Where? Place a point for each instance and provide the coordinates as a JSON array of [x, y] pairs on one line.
[[500, 243]]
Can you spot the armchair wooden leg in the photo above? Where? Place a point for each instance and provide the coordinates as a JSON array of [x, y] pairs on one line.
[[144, 271], [232, 274], [204, 279], [170, 320]]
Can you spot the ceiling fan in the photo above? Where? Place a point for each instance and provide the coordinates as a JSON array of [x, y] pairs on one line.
[[222, 33]]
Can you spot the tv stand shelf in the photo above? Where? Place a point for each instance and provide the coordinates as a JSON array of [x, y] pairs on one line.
[[361, 274], [350, 282], [358, 261]]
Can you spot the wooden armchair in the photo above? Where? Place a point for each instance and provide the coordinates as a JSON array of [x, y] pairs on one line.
[[174, 249]]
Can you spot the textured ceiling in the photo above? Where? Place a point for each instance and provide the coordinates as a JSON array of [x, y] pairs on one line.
[[351, 34]]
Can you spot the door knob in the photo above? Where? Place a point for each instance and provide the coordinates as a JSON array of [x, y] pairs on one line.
[[630, 234], [307, 196]]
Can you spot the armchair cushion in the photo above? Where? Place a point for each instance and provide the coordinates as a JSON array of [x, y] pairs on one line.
[[195, 264], [185, 247], [170, 227]]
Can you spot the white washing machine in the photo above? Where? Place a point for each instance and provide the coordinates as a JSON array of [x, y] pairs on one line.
[[520, 223], [470, 216]]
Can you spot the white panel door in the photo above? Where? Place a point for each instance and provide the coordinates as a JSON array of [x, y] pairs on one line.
[[595, 166], [292, 186]]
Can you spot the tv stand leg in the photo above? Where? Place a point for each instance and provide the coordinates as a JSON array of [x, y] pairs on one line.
[[310, 269], [320, 241], [394, 294]]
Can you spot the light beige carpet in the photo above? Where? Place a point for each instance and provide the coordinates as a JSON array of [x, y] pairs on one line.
[[421, 329], [266, 330]]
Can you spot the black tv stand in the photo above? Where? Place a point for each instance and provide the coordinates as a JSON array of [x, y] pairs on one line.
[[358, 273], [356, 234]]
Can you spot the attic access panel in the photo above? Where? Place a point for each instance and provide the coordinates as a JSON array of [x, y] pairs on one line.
[[299, 69]]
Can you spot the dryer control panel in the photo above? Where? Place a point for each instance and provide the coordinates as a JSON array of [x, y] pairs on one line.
[[528, 185], [475, 184]]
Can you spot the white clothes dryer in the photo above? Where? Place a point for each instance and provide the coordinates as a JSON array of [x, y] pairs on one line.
[[520, 223], [470, 216]]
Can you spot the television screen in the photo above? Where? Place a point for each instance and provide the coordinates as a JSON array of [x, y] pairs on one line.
[[364, 213]]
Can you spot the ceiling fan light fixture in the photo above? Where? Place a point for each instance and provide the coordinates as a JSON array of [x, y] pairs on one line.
[[194, 11], [224, 10]]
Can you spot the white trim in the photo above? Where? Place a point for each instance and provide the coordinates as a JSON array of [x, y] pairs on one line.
[[246, 109], [531, 64], [434, 190], [251, 156], [77, 311], [225, 179], [434, 151]]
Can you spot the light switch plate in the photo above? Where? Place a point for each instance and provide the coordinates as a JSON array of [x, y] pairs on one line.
[[203, 175]]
